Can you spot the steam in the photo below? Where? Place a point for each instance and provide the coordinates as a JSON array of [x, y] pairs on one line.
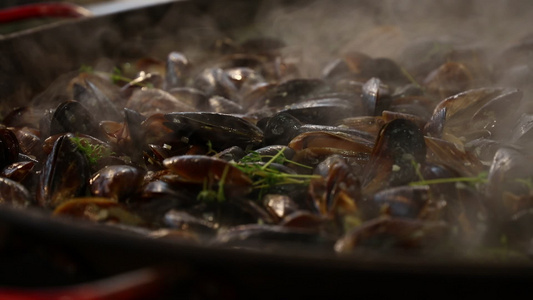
[[385, 28]]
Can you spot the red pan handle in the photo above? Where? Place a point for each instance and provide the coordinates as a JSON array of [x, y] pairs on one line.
[[41, 10], [146, 283]]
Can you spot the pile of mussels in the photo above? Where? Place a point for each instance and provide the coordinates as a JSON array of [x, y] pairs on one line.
[[239, 150]]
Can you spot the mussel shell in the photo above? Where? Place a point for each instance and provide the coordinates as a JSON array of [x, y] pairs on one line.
[[376, 97], [339, 191], [142, 80], [191, 96], [522, 133], [221, 130], [201, 169], [484, 108], [184, 221], [272, 238], [219, 104], [281, 129], [244, 77], [215, 81], [19, 171], [151, 101], [369, 124], [453, 156], [24, 116], [398, 149], [352, 65], [159, 197], [394, 235], [234, 153], [177, 69], [98, 209], [29, 141], [14, 194], [305, 220], [294, 91], [73, 117], [323, 139], [9, 147], [326, 111], [102, 93], [279, 206], [96, 101], [312, 156], [65, 174], [117, 182], [448, 79], [266, 153], [509, 168], [403, 201], [393, 115]]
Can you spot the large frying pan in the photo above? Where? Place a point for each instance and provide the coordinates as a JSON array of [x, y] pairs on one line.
[[38, 251]]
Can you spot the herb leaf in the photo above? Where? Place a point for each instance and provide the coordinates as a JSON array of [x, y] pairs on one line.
[[93, 152]]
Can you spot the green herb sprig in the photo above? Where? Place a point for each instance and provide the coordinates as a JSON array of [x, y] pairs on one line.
[[116, 76], [93, 152], [264, 176], [481, 178]]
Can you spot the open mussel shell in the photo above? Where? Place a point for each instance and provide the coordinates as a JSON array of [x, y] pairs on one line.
[[454, 156], [370, 124], [508, 180], [73, 117], [358, 66], [352, 64], [221, 130], [65, 173], [448, 79], [397, 236], [151, 101], [483, 109], [337, 191], [403, 202], [399, 150], [92, 97], [283, 127], [98, 209], [14, 194], [522, 133]]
